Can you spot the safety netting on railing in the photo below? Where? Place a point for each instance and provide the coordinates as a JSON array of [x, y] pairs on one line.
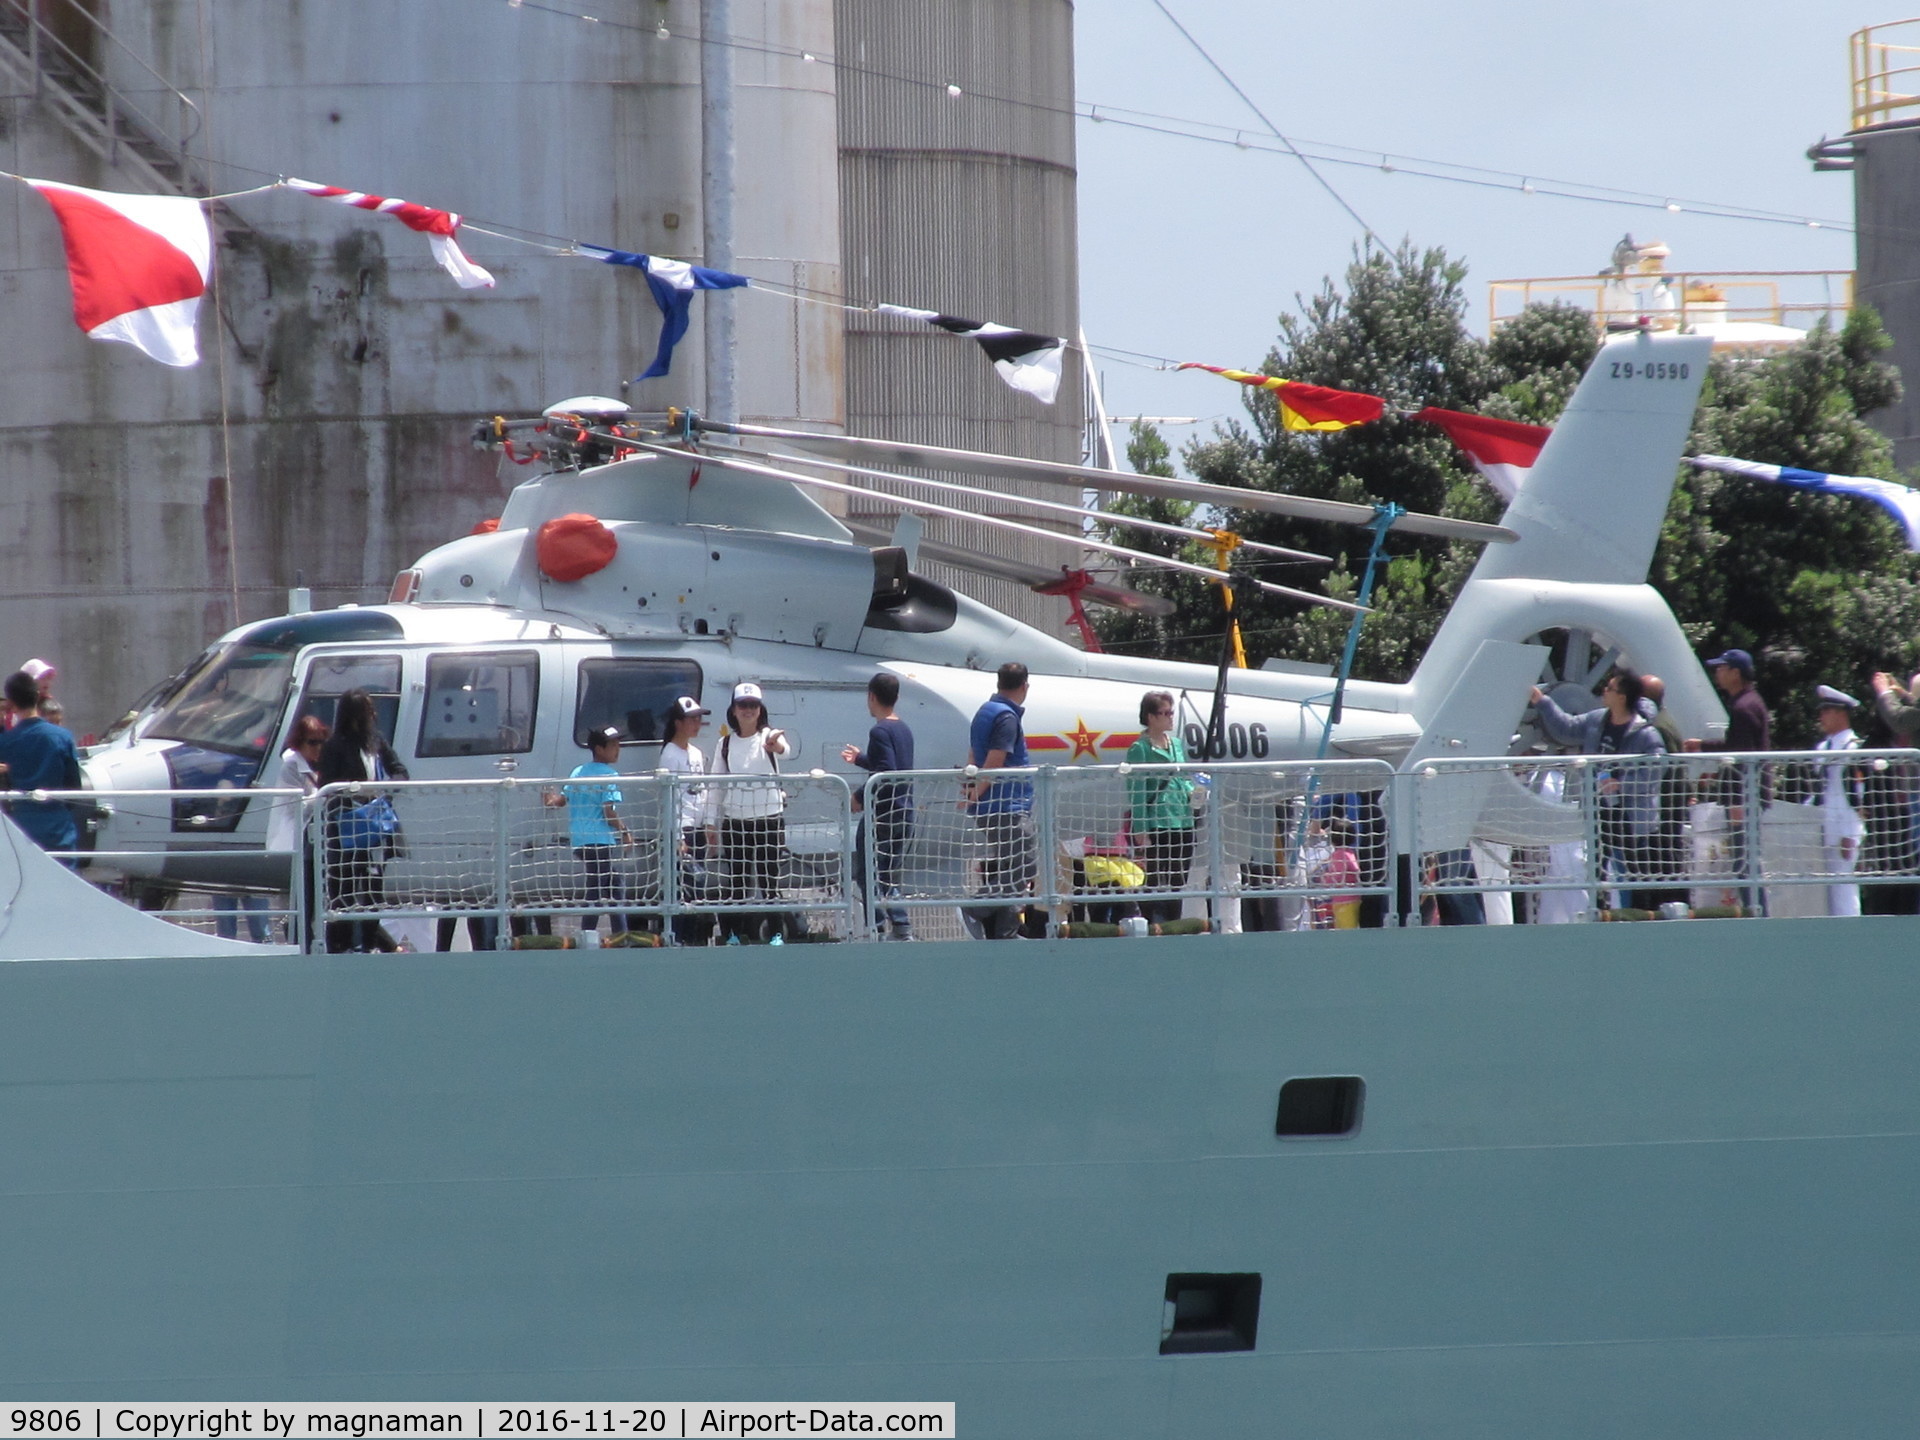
[[1132, 848], [660, 858], [747, 858], [1781, 834]]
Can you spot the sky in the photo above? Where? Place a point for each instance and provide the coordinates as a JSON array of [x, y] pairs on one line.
[[1191, 250]]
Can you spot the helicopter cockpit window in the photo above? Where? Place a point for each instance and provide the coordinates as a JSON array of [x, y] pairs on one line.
[[479, 704], [632, 694], [331, 676], [231, 701]]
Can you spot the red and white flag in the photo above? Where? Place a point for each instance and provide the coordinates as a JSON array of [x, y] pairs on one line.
[[439, 226], [1501, 450], [138, 265]]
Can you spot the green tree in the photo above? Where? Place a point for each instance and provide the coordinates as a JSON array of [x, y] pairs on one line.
[[1194, 625], [1819, 588], [1397, 330]]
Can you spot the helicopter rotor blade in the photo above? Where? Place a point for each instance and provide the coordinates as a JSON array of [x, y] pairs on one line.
[[1103, 592], [1288, 592], [1086, 477], [1186, 532], [1117, 597], [1075, 542]]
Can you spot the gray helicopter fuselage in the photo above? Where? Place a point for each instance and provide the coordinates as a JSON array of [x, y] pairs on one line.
[[496, 668], [493, 666]]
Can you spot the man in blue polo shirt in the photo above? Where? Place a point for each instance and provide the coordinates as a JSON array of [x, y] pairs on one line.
[[38, 755], [1003, 809]]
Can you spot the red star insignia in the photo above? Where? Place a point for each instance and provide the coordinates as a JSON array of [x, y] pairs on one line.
[[1085, 742]]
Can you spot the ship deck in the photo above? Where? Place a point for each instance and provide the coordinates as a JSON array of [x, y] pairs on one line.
[[1601, 1179]]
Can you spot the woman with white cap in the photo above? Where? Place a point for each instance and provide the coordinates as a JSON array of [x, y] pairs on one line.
[[752, 824]]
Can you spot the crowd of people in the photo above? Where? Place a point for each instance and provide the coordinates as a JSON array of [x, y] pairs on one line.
[[731, 844], [1645, 810]]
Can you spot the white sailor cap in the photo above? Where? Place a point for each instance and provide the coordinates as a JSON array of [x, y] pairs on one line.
[[1827, 695]]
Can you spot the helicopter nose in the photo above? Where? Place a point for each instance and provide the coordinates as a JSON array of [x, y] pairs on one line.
[[140, 769]]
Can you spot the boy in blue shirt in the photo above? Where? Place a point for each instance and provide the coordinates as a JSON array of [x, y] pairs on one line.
[[594, 826]]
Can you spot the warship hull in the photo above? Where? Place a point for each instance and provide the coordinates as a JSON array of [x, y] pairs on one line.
[[1648, 1179]]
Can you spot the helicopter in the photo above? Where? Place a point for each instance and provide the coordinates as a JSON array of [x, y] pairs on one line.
[[716, 565]]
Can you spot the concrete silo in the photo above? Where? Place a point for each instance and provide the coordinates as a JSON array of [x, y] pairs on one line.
[[957, 194], [1882, 150], [326, 432]]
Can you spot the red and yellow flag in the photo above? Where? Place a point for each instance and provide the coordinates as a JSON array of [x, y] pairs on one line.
[[1304, 406]]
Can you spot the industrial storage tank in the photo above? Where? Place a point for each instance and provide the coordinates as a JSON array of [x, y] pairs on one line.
[[325, 433], [957, 194], [1882, 150]]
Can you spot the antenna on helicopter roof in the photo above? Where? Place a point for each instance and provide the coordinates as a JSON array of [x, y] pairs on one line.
[[908, 529]]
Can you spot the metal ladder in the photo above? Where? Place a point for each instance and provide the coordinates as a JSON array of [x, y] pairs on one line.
[[145, 137]]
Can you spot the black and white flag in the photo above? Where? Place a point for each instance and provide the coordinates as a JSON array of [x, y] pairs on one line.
[[1028, 362]]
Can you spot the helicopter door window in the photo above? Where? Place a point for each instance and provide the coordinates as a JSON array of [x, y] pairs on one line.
[[633, 695], [331, 676], [479, 704]]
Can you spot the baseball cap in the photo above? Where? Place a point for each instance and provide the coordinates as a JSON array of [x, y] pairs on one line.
[[747, 690], [686, 705], [605, 735], [38, 668], [1738, 659]]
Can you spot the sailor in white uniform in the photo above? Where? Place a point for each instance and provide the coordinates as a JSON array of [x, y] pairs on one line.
[[1841, 828]]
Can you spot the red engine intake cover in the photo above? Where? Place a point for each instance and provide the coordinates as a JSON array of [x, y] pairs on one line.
[[574, 546]]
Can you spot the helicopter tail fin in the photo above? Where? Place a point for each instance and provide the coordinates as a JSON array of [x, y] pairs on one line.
[[1485, 698], [1590, 508], [1589, 516]]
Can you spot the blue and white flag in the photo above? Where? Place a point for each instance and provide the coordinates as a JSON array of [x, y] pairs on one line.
[[1900, 502], [672, 283]]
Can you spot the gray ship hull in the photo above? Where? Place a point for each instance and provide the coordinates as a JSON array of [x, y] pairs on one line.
[[1649, 1180]]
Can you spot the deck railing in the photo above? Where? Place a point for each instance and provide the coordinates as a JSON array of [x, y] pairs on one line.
[[1681, 300], [1884, 61], [1076, 850]]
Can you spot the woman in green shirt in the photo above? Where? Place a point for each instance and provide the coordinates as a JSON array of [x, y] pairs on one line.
[[1160, 806]]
